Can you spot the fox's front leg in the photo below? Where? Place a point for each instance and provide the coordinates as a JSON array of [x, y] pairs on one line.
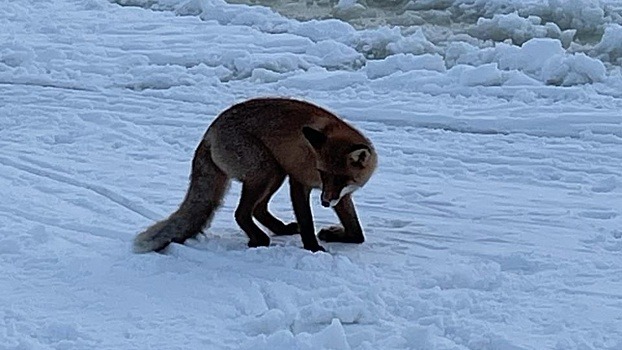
[[351, 232], [302, 209]]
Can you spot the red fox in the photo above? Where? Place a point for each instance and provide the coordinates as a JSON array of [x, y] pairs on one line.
[[260, 142]]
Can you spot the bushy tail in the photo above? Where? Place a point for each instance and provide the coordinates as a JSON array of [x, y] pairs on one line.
[[208, 185]]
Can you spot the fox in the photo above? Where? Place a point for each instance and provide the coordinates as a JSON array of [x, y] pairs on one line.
[[260, 142]]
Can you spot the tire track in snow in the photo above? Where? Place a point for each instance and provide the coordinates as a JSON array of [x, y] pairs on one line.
[[100, 190], [11, 213], [81, 229]]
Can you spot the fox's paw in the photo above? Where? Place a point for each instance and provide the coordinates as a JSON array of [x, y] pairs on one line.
[[289, 230], [338, 234], [315, 248], [260, 242], [331, 234]]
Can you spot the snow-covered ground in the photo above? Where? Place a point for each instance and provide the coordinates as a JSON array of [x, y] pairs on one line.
[[494, 220]]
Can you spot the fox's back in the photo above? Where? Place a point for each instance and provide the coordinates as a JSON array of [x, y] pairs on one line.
[[271, 117], [277, 123]]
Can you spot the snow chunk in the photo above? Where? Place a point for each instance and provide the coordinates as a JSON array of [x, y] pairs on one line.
[[260, 17], [462, 53], [518, 29], [416, 43], [610, 46], [416, 80], [546, 61], [586, 16], [324, 30], [339, 303], [572, 70], [279, 340], [516, 78], [242, 63], [486, 75], [219, 73], [335, 55], [385, 41], [155, 77], [404, 63], [531, 56], [331, 337], [262, 75], [373, 43], [323, 80], [270, 322], [346, 9]]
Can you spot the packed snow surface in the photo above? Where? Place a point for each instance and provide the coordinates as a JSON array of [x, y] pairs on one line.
[[494, 220]]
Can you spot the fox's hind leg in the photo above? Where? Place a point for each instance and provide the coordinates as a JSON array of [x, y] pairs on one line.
[[252, 193], [263, 215], [243, 157]]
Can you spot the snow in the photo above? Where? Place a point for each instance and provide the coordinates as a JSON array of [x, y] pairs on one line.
[[493, 222], [610, 46], [519, 29], [404, 63]]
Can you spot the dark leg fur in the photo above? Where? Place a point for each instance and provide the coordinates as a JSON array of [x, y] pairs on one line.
[[300, 200], [273, 224], [351, 231], [252, 193], [263, 215]]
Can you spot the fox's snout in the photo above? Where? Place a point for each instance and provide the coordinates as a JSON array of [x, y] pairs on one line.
[[329, 199], [332, 198]]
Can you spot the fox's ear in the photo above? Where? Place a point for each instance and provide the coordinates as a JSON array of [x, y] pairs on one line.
[[316, 138], [359, 156]]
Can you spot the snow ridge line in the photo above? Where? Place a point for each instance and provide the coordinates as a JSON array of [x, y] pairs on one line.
[[100, 190], [506, 127], [49, 85]]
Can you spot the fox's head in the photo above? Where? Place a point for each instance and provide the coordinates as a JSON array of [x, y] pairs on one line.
[[345, 164]]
